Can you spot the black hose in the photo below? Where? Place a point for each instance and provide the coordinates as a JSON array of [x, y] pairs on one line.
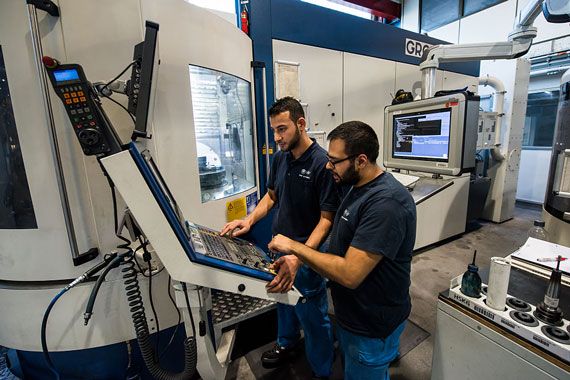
[[88, 274], [91, 303], [45, 351], [134, 298]]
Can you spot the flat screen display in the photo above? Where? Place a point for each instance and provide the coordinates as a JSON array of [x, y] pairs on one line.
[[66, 75], [422, 135]]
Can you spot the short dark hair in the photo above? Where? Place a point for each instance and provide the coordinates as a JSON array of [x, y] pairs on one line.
[[285, 104], [358, 137]]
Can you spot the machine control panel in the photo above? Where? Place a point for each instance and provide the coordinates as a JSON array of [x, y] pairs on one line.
[[210, 243], [82, 107]]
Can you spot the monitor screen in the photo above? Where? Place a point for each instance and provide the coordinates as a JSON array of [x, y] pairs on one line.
[[66, 75], [143, 78], [422, 135]]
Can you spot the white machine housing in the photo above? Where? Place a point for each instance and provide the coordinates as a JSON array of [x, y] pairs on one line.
[[38, 256]]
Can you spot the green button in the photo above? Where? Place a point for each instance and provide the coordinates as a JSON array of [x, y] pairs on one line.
[[89, 117]]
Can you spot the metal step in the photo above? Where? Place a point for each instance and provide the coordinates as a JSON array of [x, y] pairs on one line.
[[230, 308]]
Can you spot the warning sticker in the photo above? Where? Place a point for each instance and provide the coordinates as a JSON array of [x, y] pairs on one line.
[[236, 209]]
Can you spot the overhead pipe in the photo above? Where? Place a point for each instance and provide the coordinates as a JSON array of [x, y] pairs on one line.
[[498, 105], [518, 44]]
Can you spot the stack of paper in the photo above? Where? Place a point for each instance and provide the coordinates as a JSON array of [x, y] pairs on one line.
[[543, 253]]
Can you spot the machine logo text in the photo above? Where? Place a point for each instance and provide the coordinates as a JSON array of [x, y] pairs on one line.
[[416, 48]]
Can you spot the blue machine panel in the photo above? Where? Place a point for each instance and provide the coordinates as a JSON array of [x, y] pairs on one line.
[[175, 218]]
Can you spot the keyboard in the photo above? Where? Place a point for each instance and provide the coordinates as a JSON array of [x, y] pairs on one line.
[[209, 243]]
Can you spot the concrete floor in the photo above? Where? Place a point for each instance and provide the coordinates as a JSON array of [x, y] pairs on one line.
[[432, 270]]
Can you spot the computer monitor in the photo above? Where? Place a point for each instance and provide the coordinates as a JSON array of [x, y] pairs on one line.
[[142, 85], [436, 135], [422, 135]]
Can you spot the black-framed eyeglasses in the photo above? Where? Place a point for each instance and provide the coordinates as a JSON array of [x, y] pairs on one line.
[[334, 162]]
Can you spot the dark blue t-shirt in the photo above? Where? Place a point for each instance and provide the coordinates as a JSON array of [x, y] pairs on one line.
[[303, 188], [379, 218]]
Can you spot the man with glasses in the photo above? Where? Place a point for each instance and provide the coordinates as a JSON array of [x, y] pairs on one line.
[[370, 253], [305, 197]]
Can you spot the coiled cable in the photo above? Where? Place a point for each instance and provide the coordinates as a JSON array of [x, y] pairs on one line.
[[136, 307]]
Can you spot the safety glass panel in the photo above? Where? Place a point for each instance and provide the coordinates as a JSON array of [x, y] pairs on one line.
[[540, 118], [16, 208], [224, 132]]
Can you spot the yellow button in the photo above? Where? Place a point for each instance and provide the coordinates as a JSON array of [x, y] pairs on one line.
[[68, 101], [66, 95], [79, 93], [73, 94], [82, 98], [75, 100]]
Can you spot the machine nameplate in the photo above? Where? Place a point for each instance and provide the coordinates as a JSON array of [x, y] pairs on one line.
[[416, 48]]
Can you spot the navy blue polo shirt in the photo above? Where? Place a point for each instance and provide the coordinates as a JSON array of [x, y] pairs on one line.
[[379, 218], [303, 188]]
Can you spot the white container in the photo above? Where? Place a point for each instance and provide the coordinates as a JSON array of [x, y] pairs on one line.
[[498, 282]]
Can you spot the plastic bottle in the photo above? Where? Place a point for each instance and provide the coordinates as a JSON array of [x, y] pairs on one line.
[[538, 231], [471, 281]]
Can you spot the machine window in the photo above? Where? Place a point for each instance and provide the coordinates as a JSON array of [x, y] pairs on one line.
[[436, 13], [16, 208], [540, 118], [473, 6], [224, 132]]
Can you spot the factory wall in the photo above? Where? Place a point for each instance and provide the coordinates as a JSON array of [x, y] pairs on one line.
[[339, 86]]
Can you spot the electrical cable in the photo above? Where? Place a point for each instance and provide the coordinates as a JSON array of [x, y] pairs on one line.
[[115, 218], [122, 106], [147, 258], [135, 301], [179, 317], [189, 308], [118, 76], [157, 335]]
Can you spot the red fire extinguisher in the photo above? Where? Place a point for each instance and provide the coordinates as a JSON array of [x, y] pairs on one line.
[[244, 21]]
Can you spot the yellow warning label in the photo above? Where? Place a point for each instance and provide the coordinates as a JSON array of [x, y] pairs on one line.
[[236, 209], [264, 149]]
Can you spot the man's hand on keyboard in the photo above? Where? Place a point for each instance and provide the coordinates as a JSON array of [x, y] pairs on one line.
[[286, 268], [236, 228]]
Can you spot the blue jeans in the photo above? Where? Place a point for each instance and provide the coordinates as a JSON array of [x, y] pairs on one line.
[[368, 358], [311, 314]]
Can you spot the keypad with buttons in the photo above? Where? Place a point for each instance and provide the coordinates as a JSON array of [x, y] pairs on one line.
[[82, 118], [93, 130]]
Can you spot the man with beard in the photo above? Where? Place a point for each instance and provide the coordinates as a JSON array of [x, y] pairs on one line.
[[304, 195], [370, 253]]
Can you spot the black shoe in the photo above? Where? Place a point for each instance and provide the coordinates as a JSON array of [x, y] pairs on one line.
[[276, 356]]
